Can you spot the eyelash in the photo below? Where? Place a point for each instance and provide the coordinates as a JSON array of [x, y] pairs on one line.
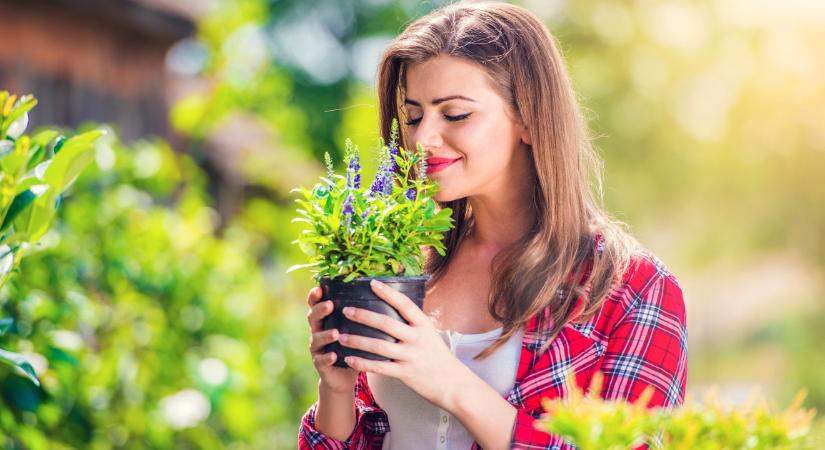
[[457, 118]]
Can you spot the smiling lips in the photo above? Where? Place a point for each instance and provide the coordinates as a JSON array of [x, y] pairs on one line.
[[438, 164]]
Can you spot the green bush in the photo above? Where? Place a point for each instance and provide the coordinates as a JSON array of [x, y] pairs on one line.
[[595, 424], [34, 172], [147, 330]]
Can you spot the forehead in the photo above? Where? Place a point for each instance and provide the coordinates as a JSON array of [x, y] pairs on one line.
[[445, 75]]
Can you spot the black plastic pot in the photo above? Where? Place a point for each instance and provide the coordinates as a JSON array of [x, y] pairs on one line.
[[358, 293]]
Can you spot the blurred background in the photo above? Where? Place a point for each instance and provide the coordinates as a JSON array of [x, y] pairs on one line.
[[157, 312]]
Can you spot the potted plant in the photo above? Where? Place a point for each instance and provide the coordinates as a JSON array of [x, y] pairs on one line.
[[355, 234]]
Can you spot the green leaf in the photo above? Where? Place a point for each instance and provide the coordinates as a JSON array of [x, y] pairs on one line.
[[17, 360], [58, 144], [301, 266], [25, 184], [75, 155], [35, 156], [35, 220], [351, 277], [307, 248], [12, 161], [21, 202], [44, 137], [411, 266]]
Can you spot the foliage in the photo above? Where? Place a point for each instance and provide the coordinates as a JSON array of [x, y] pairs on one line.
[[595, 424], [377, 231], [34, 172], [146, 329], [706, 114]]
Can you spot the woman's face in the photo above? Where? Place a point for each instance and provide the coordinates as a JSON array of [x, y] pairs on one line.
[[456, 115]]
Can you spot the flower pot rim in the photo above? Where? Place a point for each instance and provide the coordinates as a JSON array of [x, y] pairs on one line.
[[401, 278]]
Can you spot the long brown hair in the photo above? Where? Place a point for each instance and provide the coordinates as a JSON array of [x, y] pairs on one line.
[[556, 262]]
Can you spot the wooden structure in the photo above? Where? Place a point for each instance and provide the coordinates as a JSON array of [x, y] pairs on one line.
[[92, 60]]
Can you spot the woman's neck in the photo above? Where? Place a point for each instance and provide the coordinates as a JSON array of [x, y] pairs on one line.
[[500, 221]]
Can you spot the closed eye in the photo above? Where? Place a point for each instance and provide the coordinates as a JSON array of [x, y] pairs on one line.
[[457, 118]]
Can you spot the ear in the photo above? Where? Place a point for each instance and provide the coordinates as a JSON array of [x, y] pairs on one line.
[[525, 136]]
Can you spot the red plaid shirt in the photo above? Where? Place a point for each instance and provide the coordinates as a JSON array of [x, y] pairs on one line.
[[637, 338]]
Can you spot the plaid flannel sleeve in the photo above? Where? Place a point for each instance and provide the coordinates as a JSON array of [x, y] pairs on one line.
[[646, 347], [371, 424]]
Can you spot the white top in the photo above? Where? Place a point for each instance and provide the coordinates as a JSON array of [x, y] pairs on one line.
[[416, 423]]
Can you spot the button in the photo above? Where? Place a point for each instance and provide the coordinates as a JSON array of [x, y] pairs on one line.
[[444, 419], [442, 438]]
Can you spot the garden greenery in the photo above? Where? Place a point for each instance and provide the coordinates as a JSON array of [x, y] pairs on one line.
[[34, 172], [595, 424], [372, 231], [146, 328]]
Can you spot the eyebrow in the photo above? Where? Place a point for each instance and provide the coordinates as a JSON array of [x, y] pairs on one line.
[[440, 100]]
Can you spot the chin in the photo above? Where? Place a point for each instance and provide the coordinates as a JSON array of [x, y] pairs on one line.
[[440, 197], [444, 197]]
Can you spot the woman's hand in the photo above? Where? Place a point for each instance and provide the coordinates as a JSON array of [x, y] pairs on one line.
[[421, 359], [335, 380]]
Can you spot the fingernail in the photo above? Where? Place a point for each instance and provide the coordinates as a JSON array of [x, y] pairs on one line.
[[348, 360], [347, 311], [376, 284], [343, 338]]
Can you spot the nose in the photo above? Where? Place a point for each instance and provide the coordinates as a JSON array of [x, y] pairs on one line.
[[428, 134]]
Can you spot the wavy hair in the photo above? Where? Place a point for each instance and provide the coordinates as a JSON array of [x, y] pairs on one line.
[[573, 252]]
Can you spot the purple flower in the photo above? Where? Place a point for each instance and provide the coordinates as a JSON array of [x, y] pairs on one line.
[[411, 193], [378, 184], [348, 211], [384, 179], [354, 173], [388, 182], [353, 166], [365, 213], [383, 182], [391, 162]]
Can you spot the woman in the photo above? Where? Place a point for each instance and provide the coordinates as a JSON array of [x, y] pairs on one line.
[[537, 281]]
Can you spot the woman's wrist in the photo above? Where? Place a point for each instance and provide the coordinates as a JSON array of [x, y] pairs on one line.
[[486, 415], [330, 392], [453, 399], [335, 413]]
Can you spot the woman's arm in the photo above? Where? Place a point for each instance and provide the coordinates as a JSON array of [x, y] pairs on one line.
[[335, 413], [366, 431], [486, 415]]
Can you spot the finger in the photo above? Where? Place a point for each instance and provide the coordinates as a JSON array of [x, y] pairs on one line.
[[406, 307], [320, 339], [314, 295], [318, 312], [324, 359], [381, 322], [387, 368], [379, 347]]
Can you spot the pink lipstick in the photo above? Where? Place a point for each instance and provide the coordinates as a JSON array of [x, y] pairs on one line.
[[438, 164]]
